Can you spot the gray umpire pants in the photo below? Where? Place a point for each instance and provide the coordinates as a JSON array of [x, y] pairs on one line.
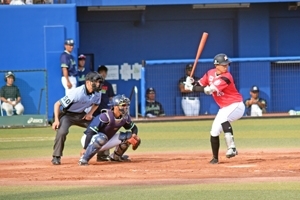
[[66, 121]]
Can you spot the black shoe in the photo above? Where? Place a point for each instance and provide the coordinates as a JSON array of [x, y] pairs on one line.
[[214, 161], [103, 158], [124, 158], [56, 160]]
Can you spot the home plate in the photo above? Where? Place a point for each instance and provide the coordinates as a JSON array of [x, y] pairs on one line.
[[241, 166]]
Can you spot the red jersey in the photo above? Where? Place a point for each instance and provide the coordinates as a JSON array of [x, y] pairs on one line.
[[226, 92]]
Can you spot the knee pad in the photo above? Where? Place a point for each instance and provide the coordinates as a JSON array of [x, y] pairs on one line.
[[100, 140], [226, 126]]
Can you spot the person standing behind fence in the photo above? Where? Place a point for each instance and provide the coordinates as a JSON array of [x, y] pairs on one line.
[[190, 102], [255, 105], [10, 96], [68, 66], [106, 90], [82, 71]]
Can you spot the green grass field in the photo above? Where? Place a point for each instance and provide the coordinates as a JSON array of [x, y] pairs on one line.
[[279, 133]]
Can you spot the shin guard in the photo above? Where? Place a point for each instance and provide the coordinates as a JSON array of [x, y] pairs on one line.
[[215, 146]]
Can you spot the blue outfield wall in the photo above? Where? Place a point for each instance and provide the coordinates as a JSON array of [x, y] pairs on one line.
[[35, 33]]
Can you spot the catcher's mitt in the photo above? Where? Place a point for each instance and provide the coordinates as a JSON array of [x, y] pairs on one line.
[[135, 142]]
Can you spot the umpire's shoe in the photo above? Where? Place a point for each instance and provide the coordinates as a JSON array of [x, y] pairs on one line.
[[231, 152], [56, 160], [103, 158], [214, 161]]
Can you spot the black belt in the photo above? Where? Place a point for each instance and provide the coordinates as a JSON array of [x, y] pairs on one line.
[[191, 98]]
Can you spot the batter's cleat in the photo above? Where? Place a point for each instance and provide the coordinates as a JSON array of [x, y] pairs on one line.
[[231, 152], [83, 162], [214, 161], [103, 158], [56, 160]]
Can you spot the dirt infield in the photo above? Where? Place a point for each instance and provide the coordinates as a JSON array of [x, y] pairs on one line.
[[164, 168]]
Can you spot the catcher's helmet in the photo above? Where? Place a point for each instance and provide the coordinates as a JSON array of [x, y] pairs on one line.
[[122, 101], [221, 59], [8, 74], [95, 77]]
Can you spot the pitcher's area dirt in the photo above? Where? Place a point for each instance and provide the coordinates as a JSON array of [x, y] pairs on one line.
[[162, 168]]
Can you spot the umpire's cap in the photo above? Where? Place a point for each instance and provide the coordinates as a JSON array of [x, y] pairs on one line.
[[69, 42], [150, 90], [221, 59], [8, 74], [94, 77]]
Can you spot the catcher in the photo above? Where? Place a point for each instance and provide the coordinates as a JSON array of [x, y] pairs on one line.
[[101, 133]]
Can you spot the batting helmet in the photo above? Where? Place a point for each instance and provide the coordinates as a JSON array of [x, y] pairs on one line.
[[8, 74], [95, 77], [221, 59]]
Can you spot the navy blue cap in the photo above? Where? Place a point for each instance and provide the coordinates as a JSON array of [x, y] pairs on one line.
[[69, 42]]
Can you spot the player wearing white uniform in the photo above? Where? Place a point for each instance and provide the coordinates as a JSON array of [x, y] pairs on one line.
[[219, 83], [74, 105], [190, 101], [255, 105], [68, 67]]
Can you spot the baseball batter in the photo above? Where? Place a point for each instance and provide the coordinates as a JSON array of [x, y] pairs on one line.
[[68, 66], [101, 133], [219, 83], [73, 113]]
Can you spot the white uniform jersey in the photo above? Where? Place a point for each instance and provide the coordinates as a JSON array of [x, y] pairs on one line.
[[79, 99]]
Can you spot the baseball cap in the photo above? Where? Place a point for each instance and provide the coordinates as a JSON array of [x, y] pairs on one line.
[[150, 90], [81, 57], [254, 88], [8, 74], [69, 42], [189, 66]]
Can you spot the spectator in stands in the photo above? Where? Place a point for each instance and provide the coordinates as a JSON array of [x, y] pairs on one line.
[[10, 96], [5, 2], [17, 2], [107, 91], [153, 107], [68, 66], [190, 102], [255, 105], [82, 71]]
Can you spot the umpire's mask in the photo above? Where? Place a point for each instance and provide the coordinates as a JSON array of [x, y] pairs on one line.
[[96, 79]]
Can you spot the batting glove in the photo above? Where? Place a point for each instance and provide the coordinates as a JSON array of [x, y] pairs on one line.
[[188, 86], [189, 80], [208, 90]]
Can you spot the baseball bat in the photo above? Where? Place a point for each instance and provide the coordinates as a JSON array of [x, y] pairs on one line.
[[199, 52]]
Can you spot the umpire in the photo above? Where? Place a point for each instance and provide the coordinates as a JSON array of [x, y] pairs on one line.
[[74, 104]]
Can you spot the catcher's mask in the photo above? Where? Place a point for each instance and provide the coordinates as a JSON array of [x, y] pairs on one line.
[[122, 102], [95, 77]]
